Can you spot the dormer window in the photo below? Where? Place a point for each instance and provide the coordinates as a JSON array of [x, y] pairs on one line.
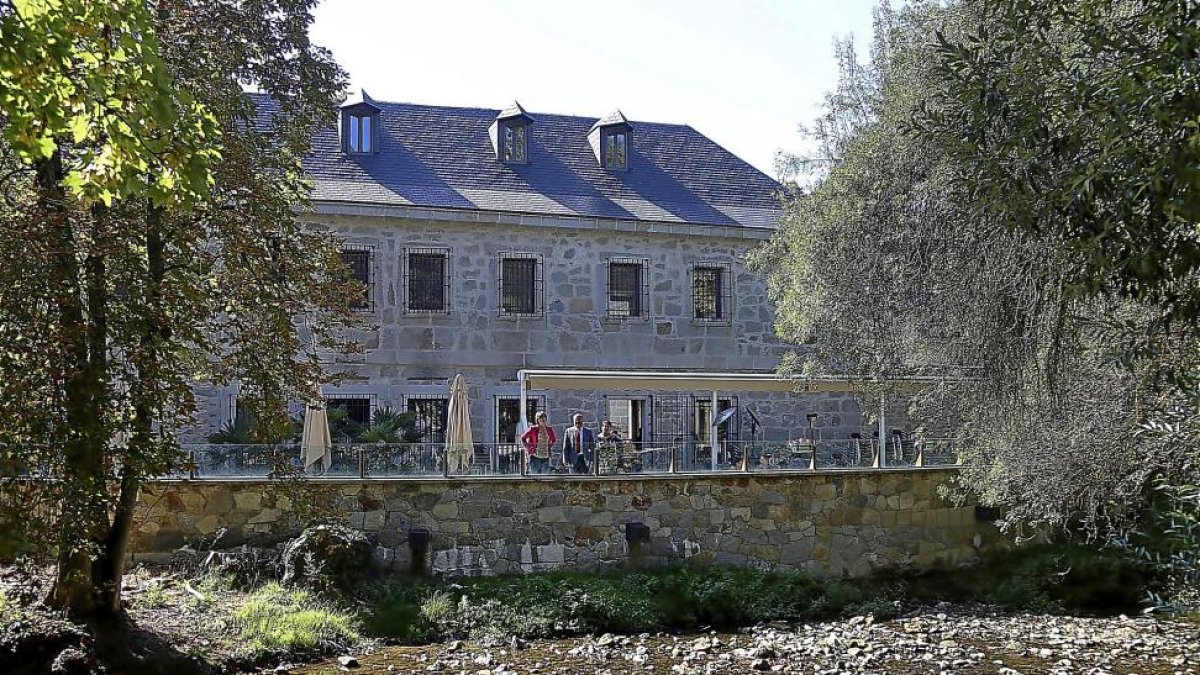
[[510, 134], [360, 125], [610, 140]]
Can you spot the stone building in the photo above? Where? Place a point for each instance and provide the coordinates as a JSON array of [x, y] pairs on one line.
[[489, 241]]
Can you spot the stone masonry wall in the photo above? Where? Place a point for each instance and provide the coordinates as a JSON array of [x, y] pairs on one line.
[[410, 355], [828, 524]]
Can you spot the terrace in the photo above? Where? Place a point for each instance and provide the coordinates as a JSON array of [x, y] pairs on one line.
[[626, 458]]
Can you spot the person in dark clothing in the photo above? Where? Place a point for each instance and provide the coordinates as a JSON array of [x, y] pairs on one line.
[[579, 446]]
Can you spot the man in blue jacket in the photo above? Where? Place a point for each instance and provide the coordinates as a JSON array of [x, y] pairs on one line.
[[579, 446]]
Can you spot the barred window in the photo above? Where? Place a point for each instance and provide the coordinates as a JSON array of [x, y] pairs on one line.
[[508, 415], [360, 408], [710, 292], [627, 294], [431, 413], [358, 259], [520, 284], [427, 279]]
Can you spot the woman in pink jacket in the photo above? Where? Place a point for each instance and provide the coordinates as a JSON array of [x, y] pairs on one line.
[[538, 440]]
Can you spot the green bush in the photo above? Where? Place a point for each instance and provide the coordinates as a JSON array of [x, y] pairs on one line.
[[1050, 578], [1038, 578], [395, 611]]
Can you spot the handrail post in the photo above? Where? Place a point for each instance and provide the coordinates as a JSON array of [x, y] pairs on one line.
[[596, 460], [522, 463], [812, 455], [362, 463], [672, 467], [192, 464], [746, 457], [445, 461]]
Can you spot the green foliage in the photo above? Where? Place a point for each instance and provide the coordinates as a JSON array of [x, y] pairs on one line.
[[156, 266], [1169, 542], [392, 426], [87, 75], [237, 432], [1051, 578], [156, 596], [895, 260], [274, 620], [559, 603], [388, 426], [1077, 119]]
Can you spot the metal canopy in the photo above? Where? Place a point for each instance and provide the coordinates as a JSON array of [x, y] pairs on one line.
[[618, 380]]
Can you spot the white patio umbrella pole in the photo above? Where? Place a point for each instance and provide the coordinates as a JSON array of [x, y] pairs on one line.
[[712, 439], [882, 430]]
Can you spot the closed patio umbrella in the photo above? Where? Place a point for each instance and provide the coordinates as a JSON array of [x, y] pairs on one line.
[[314, 443], [459, 444]]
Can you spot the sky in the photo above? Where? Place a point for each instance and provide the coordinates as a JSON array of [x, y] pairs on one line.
[[746, 73]]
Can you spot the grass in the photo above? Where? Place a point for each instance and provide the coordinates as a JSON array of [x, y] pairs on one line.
[[274, 619], [154, 597]]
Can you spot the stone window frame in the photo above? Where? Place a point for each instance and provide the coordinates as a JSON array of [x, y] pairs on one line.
[[447, 275], [538, 287], [368, 304], [643, 292], [725, 295]]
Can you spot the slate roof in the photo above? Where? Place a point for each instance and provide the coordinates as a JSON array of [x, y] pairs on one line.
[[436, 156]]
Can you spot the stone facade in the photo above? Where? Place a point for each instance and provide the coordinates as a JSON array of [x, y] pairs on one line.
[[843, 522], [413, 355]]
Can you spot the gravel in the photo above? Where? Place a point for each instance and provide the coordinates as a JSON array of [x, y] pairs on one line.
[[942, 639]]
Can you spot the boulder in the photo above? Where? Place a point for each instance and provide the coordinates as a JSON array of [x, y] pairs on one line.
[[327, 558]]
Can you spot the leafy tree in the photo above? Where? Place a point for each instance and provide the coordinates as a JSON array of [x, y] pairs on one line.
[[885, 267], [136, 264], [1080, 120]]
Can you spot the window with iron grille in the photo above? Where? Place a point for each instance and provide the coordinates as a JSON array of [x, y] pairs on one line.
[[358, 259], [520, 284], [710, 292], [703, 415], [360, 408], [628, 296], [431, 413], [508, 415], [427, 280]]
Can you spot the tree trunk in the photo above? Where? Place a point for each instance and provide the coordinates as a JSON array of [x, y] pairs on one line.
[[111, 566], [84, 514]]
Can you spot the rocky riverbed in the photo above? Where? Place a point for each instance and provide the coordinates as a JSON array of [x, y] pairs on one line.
[[941, 639]]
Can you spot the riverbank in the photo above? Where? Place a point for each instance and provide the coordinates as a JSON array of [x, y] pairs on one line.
[[938, 639], [236, 616]]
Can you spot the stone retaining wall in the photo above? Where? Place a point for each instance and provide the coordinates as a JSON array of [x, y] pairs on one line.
[[828, 524]]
